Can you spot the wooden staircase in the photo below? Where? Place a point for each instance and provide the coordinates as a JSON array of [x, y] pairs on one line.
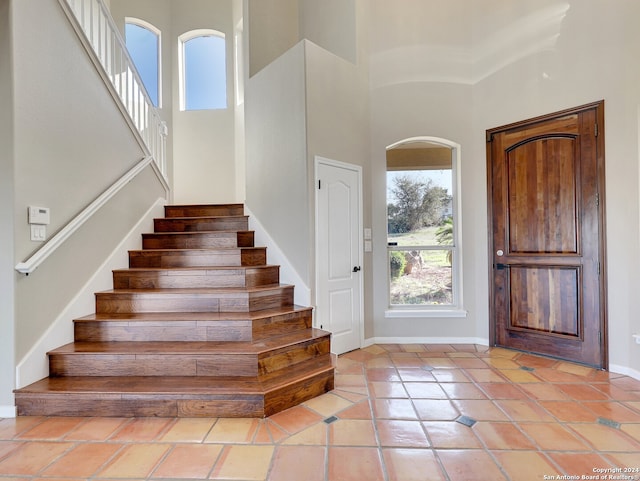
[[198, 325]]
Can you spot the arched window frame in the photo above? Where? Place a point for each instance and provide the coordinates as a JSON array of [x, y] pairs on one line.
[[456, 308], [182, 80], [158, 34]]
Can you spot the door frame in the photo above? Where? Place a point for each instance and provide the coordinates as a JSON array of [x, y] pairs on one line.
[[318, 160], [600, 183]]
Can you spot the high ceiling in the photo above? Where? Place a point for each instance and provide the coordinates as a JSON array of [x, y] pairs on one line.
[[459, 40]]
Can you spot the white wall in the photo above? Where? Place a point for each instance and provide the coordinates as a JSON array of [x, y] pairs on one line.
[[202, 143], [331, 24], [586, 67], [277, 172], [272, 28], [7, 274], [591, 55], [158, 14], [70, 143], [337, 112]]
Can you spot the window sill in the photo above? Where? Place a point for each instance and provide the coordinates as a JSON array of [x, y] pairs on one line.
[[414, 313]]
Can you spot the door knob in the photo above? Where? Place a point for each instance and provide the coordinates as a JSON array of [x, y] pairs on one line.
[[356, 268], [500, 253]]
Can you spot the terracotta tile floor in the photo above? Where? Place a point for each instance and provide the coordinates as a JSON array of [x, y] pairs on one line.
[[398, 413]]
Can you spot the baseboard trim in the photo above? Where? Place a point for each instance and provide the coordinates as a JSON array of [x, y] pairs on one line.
[[627, 371], [8, 411], [426, 340]]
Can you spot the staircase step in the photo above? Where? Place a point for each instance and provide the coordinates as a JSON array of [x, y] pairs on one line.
[[161, 278], [130, 396], [205, 210], [191, 224], [241, 256], [195, 300], [243, 359], [191, 326], [197, 326], [197, 240]]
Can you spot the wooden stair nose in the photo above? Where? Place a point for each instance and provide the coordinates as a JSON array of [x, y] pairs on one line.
[[197, 325]]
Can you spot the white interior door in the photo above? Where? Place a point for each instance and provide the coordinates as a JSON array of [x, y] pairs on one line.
[[339, 253]]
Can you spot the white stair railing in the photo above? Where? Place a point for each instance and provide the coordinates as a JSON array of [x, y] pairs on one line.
[[97, 30]]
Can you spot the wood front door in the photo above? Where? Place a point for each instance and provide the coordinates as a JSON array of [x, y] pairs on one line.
[[546, 215]]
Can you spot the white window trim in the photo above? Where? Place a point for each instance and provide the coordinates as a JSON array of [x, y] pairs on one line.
[[455, 310], [152, 28], [182, 39]]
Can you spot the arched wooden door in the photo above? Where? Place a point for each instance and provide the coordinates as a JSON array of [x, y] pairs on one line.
[[546, 214]]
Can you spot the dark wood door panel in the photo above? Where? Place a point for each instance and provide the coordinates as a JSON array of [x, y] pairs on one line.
[[550, 303], [546, 213], [542, 194]]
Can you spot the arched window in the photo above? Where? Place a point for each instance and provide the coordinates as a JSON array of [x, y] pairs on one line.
[[203, 72], [423, 225], [143, 43]]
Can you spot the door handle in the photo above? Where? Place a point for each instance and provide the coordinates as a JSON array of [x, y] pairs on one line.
[[356, 268]]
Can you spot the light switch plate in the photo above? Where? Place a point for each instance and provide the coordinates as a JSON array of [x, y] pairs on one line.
[[38, 233]]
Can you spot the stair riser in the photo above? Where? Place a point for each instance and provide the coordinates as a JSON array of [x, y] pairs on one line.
[[197, 240], [203, 210], [153, 365], [189, 364], [172, 278], [195, 258], [195, 224], [286, 358], [167, 331], [198, 326], [298, 392], [188, 405], [109, 303], [140, 405]]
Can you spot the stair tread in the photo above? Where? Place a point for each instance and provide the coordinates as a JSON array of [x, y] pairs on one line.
[[195, 268], [191, 347], [198, 290], [204, 217], [189, 316], [182, 386], [198, 232], [195, 249]]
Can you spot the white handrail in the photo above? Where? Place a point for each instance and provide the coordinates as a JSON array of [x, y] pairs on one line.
[[99, 34], [61, 236]]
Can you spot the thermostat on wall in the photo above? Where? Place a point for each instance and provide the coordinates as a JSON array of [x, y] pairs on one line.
[[39, 215]]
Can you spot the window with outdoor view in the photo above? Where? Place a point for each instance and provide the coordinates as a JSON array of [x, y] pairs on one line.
[[422, 247], [143, 43], [203, 70]]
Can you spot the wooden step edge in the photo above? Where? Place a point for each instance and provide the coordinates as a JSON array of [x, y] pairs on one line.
[[194, 316], [197, 232], [252, 348], [203, 218], [174, 386], [198, 250], [195, 268], [204, 291]]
